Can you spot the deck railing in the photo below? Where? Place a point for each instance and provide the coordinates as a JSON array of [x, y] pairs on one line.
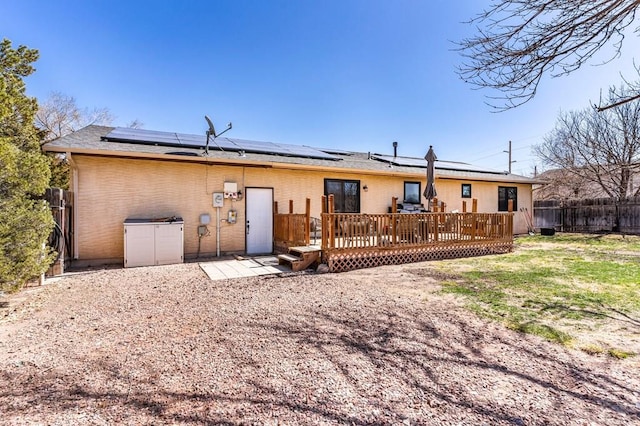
[[291, 229], [400, 230]]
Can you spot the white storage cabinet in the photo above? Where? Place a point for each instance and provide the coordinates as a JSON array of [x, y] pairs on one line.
[[153, 242]]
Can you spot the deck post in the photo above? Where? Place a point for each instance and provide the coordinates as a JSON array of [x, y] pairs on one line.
[[394, 210], [436, 228], [474, 218], [325, 222], [290, 220], [332, 232], [510, 226], [464, 206], [307, 222]]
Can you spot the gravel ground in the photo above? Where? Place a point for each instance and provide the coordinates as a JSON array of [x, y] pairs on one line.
[[164, 345]]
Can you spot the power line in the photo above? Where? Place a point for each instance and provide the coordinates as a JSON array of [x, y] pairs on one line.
[[502, 152]]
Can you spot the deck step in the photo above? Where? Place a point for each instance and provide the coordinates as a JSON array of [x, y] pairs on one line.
[[306, 257], [304, 249], [289, 258]]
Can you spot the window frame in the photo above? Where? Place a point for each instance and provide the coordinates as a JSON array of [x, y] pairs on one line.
[[503, 201], [342, 197], [463, 193], [404, 196]]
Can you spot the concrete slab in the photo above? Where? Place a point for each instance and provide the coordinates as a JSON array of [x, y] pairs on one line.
[[228, 269], [266, 260]]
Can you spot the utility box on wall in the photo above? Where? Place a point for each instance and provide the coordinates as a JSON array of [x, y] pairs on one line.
[[150, 242]]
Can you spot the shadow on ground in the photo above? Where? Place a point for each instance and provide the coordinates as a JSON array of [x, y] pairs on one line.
[[340, 368]]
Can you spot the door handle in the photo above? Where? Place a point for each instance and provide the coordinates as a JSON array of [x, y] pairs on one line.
[[248, 227]]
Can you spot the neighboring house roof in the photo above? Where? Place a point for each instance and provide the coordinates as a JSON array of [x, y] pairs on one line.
[[137, 143], [562, 184]]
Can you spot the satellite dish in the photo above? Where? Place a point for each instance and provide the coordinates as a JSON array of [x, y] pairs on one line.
[[212, 130]]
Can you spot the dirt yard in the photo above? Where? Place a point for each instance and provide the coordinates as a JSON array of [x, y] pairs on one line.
[[164, 345]]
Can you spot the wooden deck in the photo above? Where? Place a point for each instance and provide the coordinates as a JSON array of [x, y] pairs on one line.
[[353, 241]]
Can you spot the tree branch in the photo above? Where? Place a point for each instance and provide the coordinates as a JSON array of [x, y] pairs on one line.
[[520, 41]]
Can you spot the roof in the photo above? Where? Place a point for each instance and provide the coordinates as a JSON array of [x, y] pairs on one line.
[[577, 184], [136, 143]]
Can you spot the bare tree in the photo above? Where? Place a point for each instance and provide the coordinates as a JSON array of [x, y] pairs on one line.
[[60, 115], [135, 124], [598, 147], [519, 41], [630, 92], [563, 184]]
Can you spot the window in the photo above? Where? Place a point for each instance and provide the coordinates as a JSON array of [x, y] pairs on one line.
[[466, 190], [412, 192], [346, 194], [506, 193]]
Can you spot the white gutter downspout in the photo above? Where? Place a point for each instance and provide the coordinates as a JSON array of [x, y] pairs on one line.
[[74, 189], [218, 227]]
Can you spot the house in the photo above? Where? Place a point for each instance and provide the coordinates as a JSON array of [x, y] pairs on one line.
[[567, 184], [121, 173]]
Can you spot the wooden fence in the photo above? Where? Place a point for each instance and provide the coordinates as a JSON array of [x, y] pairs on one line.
[[291, 229], [590, 215], [61, 238]]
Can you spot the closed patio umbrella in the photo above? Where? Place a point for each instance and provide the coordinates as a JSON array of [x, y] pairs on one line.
[[430, 190]]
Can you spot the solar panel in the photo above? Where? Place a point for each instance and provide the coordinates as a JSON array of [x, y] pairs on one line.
[[331, 150], [184, 140], [191, 141], [223, 144], [452, 165], [261, 147], [147, 137], [307, 151], [401, 161], [442, 165], [281, 149]]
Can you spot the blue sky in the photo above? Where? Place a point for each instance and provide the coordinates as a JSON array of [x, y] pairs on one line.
[[350, 74]]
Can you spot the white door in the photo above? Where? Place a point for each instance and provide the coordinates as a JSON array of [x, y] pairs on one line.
[[169, 243], [259, 220], [139, 243]]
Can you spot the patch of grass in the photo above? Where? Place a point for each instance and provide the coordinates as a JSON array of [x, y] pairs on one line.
[[551, 286], [592, 349], [612, 352], [619, 354], [543, 330]]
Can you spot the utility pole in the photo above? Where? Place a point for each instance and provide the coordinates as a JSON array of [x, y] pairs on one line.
[[510, 161]]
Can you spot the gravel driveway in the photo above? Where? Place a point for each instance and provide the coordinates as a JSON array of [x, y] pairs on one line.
[[164, 345]]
